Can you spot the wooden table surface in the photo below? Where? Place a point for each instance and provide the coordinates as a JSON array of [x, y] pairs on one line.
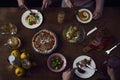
[[109, 20]]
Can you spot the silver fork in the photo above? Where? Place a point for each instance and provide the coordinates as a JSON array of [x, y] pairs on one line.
[[108, 51]]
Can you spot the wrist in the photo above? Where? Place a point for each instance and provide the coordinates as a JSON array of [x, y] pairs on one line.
[[112, 77]]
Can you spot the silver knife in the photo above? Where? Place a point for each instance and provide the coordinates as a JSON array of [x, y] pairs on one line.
[[90, 67]]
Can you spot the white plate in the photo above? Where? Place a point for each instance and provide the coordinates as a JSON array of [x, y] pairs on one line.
[[88, 72], [26, 13], [82, 20]]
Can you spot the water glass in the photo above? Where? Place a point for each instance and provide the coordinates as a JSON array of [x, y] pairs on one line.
[[8, 28], [61, 16], [13, 42]]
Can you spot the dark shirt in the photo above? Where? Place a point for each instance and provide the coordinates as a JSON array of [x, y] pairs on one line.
[[29, 3]]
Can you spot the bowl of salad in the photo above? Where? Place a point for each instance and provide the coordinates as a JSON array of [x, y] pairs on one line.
[[74, 33], [56, 62]]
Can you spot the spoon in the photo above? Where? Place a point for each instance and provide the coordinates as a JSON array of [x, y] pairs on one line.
[[108, 51]]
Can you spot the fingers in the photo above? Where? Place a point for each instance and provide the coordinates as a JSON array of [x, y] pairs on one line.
[[71, 70], [25, 7], [22, 4], [97, 15], [43, 6], [46, 3], [69, 4]]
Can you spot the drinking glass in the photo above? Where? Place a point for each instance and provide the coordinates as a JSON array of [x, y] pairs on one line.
[[61, 16], [13, 42], [8, 28]]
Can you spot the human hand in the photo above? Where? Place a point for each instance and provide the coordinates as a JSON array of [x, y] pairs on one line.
[[110, 72], [68, 3], [21, 4], [46, 3], [67, 74], [97, 14]]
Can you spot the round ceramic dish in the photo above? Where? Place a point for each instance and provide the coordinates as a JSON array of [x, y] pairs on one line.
[[50, 63], [84, 15]]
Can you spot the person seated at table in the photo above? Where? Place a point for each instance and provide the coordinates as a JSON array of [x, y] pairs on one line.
[[25, 3], [68, 3], [86, 4], [113, 70], [67, 75], [113, 67]]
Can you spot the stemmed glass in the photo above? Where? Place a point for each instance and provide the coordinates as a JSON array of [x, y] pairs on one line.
[[13, 42], [8, 28]]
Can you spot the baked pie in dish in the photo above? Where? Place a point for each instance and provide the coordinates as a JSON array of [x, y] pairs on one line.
[[44, 41]]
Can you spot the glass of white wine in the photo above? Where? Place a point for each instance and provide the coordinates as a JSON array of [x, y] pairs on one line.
[[13, 42], [8, 28]]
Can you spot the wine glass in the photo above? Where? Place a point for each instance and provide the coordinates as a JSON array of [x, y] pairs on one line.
[[13, 42], [8, 28]]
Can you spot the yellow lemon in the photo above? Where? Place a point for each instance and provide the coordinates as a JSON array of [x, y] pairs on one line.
[[15, 53], [19, 71], [24, 55]]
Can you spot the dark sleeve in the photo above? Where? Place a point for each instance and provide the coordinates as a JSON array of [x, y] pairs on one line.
[[8, 3]]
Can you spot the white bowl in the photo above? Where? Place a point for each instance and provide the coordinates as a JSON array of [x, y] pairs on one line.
[[50, 62], [87, 15]]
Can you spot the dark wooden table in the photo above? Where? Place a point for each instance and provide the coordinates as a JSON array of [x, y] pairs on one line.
[[109, 20]]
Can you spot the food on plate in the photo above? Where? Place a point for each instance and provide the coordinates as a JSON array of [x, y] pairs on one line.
[[102, 39], [86, 61], [83, 62], [56, 62], [32, 18], [72, 34], [84, 15], [44, 41], [79, 68]]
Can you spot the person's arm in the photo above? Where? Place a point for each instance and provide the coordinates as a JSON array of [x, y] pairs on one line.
[[69, 3], [67, 74], [46, 3], [99, 8], [110, 72], [21, 4]]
